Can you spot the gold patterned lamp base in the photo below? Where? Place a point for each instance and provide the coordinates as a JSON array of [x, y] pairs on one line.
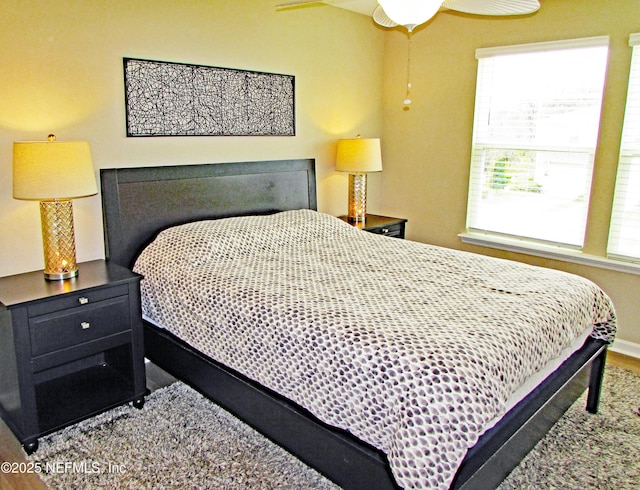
[[58, 240], [357, 197]]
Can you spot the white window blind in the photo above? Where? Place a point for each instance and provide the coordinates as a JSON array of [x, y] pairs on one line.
[[536, 124], [624, 234]]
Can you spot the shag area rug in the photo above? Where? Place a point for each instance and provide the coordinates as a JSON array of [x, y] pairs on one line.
[[585, 451], [181, 440]]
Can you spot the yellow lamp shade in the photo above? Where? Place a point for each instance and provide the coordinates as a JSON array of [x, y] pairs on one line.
[[46, 170], [359, 155]]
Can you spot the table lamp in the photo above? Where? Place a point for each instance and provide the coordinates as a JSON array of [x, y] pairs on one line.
[[54, 172], [358, 156]]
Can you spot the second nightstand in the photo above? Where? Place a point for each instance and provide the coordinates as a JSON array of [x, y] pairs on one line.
[[69, 349], [381, 225]]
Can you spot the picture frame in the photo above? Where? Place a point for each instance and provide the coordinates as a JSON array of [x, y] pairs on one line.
[[180, 99]]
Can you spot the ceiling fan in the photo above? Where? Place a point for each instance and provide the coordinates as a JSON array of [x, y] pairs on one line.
[[412, 13]]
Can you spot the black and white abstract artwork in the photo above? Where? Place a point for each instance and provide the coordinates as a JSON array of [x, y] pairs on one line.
[[177, 99]]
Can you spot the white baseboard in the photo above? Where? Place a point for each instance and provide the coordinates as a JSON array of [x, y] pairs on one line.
[[626, 348]]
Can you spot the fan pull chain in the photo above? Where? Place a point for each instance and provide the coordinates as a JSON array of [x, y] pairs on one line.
[[407, 99]]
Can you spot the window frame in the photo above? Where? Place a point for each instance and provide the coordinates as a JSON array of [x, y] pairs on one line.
[[477, 180], [628, 162]]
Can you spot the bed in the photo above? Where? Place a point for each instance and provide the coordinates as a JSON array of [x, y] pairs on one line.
[[188, 205]]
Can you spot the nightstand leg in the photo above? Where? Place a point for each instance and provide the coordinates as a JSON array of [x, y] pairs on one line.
[[138, 403], [31, 446]]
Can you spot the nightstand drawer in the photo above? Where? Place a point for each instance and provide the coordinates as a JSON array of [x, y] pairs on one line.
[[394, 230], [67, 328], [73, 300], [380, 225]]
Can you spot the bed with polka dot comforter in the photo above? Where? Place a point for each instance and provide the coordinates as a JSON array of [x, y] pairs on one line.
[[410, 347]]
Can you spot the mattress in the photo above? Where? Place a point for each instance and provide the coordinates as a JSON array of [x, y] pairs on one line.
[[412, 348]]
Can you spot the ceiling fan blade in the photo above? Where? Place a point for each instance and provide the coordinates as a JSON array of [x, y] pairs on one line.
[[493, 7], [381, 18], [300, 3]]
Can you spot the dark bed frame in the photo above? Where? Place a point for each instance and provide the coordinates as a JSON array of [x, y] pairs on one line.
[[139, 202]]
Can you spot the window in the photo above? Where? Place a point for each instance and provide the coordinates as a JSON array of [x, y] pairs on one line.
[[624, 235], [535, 130]]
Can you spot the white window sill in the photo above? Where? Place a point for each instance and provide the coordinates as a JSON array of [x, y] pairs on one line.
[[548, 252]]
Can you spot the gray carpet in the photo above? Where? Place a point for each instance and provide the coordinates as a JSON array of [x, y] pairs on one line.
[[584, 451], [180, 440]]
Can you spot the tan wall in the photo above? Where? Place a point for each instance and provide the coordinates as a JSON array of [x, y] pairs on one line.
[[427, 148], [61, 72]]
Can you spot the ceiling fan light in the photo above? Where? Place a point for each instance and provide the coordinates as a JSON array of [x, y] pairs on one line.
[[410, 13]]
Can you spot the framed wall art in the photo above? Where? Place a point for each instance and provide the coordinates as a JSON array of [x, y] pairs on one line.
[[179, 99]]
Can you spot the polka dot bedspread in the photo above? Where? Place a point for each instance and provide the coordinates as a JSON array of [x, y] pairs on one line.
[[410, 347]]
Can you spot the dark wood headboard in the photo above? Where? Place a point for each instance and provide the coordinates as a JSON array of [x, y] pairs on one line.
[[138, 203]]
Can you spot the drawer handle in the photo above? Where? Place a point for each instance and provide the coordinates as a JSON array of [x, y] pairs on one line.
[[82, 300], [85, 325], [385, 230]]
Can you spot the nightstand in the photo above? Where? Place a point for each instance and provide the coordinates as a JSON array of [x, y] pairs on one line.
[[381, 225], [69, 349]]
